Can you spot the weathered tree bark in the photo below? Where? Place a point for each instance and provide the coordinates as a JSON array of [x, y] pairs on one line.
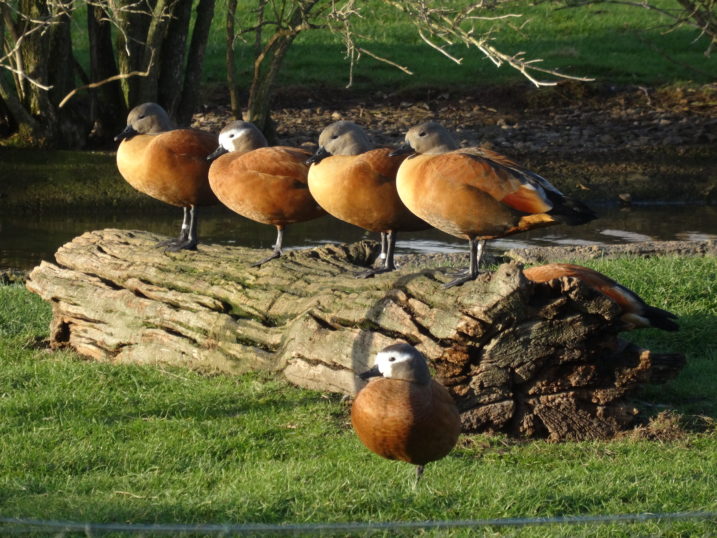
[[171, 64], [107, 107], [522, 358], [229, 60], [195, 60]]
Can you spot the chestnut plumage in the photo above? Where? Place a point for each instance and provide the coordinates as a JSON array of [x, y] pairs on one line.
[[402, 413], [357, 184], [167, 164], [635, 312], [475, 193], [264, 184]]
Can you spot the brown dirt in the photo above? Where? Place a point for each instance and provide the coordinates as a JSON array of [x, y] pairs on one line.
[[599, 141]]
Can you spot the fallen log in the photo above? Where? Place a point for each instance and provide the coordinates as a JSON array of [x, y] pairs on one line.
[[534, 360]]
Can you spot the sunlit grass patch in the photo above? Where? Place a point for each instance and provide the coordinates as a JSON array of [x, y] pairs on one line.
[[89, 441]]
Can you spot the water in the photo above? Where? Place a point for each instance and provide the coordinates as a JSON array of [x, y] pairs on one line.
[[27, 239]]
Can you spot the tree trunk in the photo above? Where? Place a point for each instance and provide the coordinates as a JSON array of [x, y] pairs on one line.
[[527, 359], [268, 64], [195, 60], [171, 66], [159, 21], [45, 72], [107, 107], [232, 85], [130, 46]]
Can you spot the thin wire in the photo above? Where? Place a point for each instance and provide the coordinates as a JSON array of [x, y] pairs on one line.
[[71, 526]]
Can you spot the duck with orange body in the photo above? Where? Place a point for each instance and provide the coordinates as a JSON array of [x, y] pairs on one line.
[[475, 193], [167, 164], [356, 183], [635, 312], [264, 184], [402, 413]]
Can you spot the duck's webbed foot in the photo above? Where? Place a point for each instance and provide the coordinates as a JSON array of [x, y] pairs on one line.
[[376, 271], [178, 244], [463, 277], [274, 255]]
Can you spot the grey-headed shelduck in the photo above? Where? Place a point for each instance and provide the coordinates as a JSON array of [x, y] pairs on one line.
[[475, 193], [167, 164], [357, 184]]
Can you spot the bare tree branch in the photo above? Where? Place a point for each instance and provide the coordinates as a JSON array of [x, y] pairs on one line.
[[107, 80]]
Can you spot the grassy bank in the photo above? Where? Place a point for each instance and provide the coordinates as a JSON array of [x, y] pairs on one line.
[[615, 43], [99, 442], [610, 42]]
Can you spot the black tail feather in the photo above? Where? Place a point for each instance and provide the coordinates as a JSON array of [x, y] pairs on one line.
[[661, 319]]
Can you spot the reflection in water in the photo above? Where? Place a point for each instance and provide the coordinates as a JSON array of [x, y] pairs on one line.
[[27, 239]]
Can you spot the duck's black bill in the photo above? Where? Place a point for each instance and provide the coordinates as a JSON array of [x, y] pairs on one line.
[[128, 133], [373, 372], [216, 153], [403, 150], [317, 157]]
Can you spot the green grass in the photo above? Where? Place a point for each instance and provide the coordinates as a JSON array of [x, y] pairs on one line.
[[89, 441], [612, 43]]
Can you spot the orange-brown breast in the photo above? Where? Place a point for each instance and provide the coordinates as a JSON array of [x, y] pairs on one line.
[[405, 421], [267, 185], [361, 190], [170, 166], [468, 196]]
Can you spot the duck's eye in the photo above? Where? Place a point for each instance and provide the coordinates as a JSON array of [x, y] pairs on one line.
[[232, 135], [422, 133], [391, 359], [142, 116], [334, 137]]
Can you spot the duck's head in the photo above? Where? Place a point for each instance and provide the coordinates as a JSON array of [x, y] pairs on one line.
[[239, 136], [341, 138], [400, 361], [429, 137], [147, 118]]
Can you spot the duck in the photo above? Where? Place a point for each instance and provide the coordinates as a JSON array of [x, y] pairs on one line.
[[403, 413], [168, 164], [356, 183], [475, 193], [636, 314], [265, 184]]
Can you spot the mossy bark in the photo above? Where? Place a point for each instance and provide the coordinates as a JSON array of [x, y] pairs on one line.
[[522, 358]]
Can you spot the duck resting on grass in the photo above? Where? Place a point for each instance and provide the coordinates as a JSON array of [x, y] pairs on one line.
[[402, 413], [475, 193], [167, 164]]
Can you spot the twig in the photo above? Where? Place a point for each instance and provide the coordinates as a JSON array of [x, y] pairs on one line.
[[385, 60], [106, 81]]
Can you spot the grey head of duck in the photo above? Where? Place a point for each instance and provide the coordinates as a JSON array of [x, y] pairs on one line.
[[240, 136], [341, 138], [429, 137], [400, 361], [147, 118]]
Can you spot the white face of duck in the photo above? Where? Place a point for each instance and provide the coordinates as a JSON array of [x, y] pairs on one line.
[[241, 136], [400, 361]]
